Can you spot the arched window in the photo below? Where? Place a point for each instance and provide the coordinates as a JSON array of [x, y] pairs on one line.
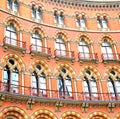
[[84, 52], [36, 42], [11, 35], [80, 22], [107, 50], [60, 46], [13, 5], [90, 86], [114, 85], [38, 82], [65, 85], [11, 78], [36, 12]]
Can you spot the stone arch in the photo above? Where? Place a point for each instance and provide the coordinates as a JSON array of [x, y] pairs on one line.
[[71, 115], [63, 34], [66, 66], [98, 114], [108, 37], [110, 68], [117, 116], [46, 68], [44, 113], [94, 71], [86, 37], [15, 21], [40, 30], [17, 59], [15, 111]]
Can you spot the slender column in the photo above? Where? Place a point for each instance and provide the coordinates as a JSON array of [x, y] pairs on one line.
[[75, 89], [49, 83], [45, 45], [69, 49], [22, 82], [21, 39], [115, 51]]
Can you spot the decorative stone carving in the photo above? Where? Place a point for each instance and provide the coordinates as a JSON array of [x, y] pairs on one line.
[[58, 106], [84, 106], [30, 103]]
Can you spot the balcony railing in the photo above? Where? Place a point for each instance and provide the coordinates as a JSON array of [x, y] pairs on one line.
[[14, 42], [110, 56], [55, 94], [40, 49], [64, 53], [87, 56]]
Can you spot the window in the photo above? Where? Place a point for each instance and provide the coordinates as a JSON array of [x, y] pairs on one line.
[[36, 42], [11, 35], [65, 86], [83, 49], [36, 13], [102, 23], [107, 50], [80, 22], [13, 5], [60, 46], [11, 78], [114, 85], [90, 86], [38, 82], [58, 18]]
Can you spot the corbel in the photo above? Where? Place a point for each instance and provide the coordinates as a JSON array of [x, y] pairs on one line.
[[2, 98], [84, 106], [58, 106], [30, 103], [111, 107]]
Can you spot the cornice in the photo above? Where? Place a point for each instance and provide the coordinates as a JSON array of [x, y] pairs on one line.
[[102, 4]]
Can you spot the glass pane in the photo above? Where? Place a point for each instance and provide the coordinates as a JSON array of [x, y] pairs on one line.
[[15, 6], [60, 84], [5, 76], [38, 14], [104, 23], [82, 21]]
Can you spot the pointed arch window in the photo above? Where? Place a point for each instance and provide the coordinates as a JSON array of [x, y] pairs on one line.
[[65, 86], [11, 35], [11, 79], [36, 42], [39, 83], [90, 87], [107, 50], [114, 85], [84, 52], [60, 46]]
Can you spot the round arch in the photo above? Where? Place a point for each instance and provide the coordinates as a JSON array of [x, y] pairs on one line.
[[69, 68], [71, 115], [98, 114], [46, 68], [62, 33], [15, 21], [15, 111], [18, 61], [43, 113], [108, 37], [86, 37], [95, 72], [110, 68]]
